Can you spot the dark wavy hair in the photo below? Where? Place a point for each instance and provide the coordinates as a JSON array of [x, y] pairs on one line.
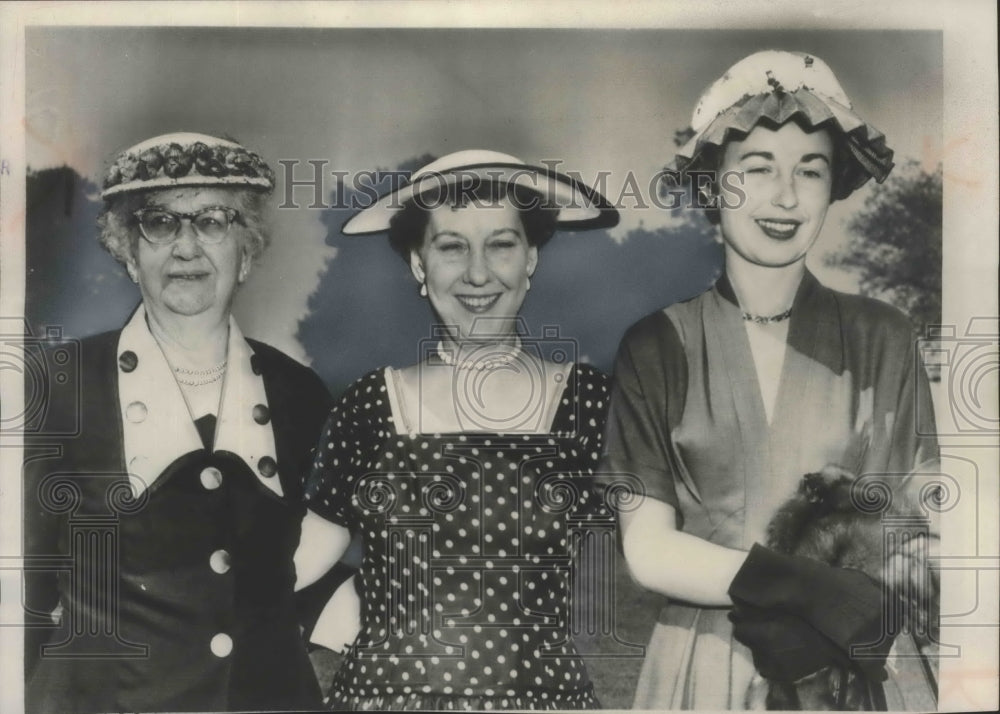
[[407, 226], [842, 176]]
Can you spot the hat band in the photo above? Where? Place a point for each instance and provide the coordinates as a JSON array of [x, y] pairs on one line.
[[198, 163]]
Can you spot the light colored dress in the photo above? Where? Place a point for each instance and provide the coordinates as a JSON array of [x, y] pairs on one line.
[[688, 418]]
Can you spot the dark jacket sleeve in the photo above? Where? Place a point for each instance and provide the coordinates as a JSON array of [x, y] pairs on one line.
[[301, 403], [41, 528], [60, 438]]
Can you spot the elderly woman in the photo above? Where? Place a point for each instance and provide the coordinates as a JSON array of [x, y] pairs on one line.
[[467, 474], [723, 402], [194, 445]]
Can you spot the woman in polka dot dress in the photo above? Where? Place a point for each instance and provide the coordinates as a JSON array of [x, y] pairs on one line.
[[468, 475]]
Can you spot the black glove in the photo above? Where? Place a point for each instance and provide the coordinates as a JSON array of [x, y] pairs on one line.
[[785, 647], [844, 605]]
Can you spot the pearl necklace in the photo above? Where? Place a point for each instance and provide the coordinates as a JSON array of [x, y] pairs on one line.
[[200, 377], [485, 363], [767, 319]]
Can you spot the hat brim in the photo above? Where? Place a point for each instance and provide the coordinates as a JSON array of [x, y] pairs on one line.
[[579, 207], [247, 182], [869, 155]]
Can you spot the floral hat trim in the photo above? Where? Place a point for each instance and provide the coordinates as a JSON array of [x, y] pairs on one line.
[[186, 159]]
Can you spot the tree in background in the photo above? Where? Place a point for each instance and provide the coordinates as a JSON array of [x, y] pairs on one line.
[[896, 244], [71, 282]]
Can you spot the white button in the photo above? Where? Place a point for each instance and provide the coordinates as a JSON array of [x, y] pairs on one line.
[[222, 645], [136, 412], [219, 561], [211, 478]]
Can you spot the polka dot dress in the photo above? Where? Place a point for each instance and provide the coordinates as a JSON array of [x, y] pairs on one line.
[[468, 541]]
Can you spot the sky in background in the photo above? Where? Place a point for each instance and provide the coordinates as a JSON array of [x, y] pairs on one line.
[[595, 100]]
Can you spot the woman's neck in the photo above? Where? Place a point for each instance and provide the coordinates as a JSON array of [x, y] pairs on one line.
[[462, 349], [194, 342], [763, 290]]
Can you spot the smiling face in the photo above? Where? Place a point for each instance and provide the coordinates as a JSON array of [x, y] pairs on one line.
[[187, 277], [475, 261], [788, 179]]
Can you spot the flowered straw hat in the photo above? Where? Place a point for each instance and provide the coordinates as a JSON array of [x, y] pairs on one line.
[[776, 86], [186, 159], [580, 207]]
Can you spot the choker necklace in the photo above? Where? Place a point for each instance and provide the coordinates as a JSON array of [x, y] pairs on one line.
[[199, 377], [767, 319], [491, 361]]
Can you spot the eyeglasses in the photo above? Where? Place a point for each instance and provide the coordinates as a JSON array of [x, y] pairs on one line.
[[160, 226]]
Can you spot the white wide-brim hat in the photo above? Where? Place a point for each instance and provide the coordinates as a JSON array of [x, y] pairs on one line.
[[579, 207], [186, 159], [773, 87]]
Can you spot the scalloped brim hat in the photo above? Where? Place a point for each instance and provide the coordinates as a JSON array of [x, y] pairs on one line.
[[775, 87], [186, 159], [579, 206]]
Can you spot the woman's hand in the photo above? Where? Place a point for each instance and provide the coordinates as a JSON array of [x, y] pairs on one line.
[[321, 545], [785, 647], [844, 605], [673, 563]]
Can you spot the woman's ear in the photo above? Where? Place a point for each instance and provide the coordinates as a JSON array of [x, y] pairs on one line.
[[417, 267], [532, 259], [245, 262], [133, 272]]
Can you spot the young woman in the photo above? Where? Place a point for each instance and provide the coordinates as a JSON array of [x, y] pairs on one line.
[[722, 403]]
